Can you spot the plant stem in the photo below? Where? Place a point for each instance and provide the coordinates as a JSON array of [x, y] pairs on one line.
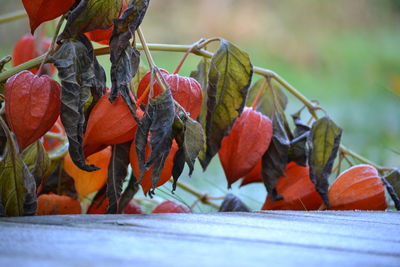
[[13, 16], [202, 197], [204, 53]]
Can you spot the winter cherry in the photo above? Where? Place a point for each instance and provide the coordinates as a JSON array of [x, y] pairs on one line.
[[358, 188], [27, 48], [51, 204], [170, 207], [108, 124], [132, 208], [297, 190], [254, 176], [89, 182], [246, 143], [166, 172], [32, 105], [185, 90]]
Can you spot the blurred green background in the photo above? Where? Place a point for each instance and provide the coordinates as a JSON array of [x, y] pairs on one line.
[[345, 54]]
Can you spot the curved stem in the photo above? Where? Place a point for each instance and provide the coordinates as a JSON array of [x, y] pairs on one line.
[[13, 16]]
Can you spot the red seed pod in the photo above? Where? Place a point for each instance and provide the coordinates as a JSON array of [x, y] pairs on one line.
[[246, 143], [170, 207], [32, 105], [40, 11], [27, 48], [109, 124], [358, 188], [297, 190], [185, 90], [132, 208], [166, 173]]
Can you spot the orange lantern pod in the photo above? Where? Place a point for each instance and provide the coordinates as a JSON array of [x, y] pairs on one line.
[[254, 176], [358, 188], [88, 182], [246, 143], [50, 143], [297, 190], [51, 204], [166, 172], [109, 124]]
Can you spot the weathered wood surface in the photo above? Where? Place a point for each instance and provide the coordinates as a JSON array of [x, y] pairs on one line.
[[221, 239]]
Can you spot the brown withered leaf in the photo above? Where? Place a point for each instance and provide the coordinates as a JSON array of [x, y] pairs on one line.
[[392, 183], [117, 171], [232, 203]]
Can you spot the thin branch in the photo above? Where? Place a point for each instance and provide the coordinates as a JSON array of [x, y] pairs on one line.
[[13, 16]]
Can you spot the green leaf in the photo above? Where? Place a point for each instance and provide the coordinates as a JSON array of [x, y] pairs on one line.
[[275, 158], [233, 203], [91, 15], [190, 137], [298, 145], [201, 75], [323, 143], [17, 185], [37, 161], [272, 98], [130, 191], [77, 74], [117, 172], [193, 142], [229, 78], [124, 57], [392, 183]]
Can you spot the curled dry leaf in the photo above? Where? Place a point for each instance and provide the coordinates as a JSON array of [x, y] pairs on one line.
[[40, 11], [170, 207], [358, 188], [27, 48], [185, 90], [109, 124], [88, 182], [51, 204], [233, 203], [297, 190], [246, 143], [32, 105], [166, 172]]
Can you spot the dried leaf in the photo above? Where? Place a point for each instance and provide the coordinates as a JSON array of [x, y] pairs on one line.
[[99, 204], [161, 133], [91, 15], [59, 182], [323, 143], [298, 145], [142, 133], [392, 183], [125, 58], [77, 74], [129, 193], [233, 203], [117, 172], [228, 82], [40, 11], [275, 159]]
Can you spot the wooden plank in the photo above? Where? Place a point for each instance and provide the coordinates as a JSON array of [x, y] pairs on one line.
[[218, 239]]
